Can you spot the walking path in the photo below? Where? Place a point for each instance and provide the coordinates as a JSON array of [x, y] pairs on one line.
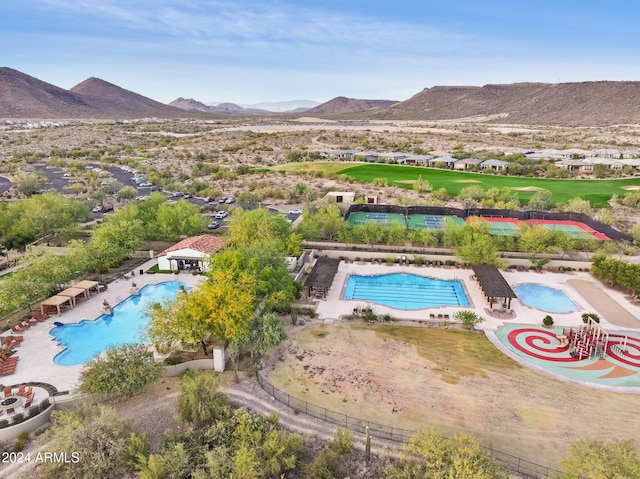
[[604, 304]]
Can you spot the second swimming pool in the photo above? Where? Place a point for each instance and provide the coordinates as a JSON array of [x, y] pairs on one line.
[[406, 291]]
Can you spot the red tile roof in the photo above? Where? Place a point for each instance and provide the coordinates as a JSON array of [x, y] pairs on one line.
[[204, 243]]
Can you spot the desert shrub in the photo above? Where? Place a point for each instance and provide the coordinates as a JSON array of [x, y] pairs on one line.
[[587, 316], [468, 318], [4, 423], [21, 442], [547, 320], [325, 466], [342, 441], [18, 418], [369, 315]]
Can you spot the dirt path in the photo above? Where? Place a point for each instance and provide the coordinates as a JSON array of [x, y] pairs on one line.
[[155, 412], [604, 304]]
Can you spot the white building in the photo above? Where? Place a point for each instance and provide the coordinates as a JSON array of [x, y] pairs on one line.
[[191, 254]]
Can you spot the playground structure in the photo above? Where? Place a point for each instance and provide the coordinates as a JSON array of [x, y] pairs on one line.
[[586, 341]]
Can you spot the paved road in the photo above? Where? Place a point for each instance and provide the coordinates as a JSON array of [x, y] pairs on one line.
[[5, 184]]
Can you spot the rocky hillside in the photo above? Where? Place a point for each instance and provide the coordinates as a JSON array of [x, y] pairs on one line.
[[342, 105], [23, 96], [586, 103]]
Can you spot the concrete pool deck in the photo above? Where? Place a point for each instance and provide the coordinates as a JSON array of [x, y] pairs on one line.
[[334, 307], [37, 350]]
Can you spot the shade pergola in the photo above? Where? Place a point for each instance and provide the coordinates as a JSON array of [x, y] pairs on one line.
[[321, 276], [56, 302], [87, 285], [73, 293], [493, 285]]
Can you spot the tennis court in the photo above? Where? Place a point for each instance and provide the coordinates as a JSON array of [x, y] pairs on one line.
[[437, 222], [362, 218], [502, 226], [575, 229]]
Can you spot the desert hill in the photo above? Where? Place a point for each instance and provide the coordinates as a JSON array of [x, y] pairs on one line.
[[585, 103], [113, 101], [343, 105], [23, 96], [223, 108]]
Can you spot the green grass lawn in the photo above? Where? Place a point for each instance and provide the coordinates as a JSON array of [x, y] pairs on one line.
[[598, 192]]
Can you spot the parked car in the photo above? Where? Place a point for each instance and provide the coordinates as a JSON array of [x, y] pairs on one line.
[[214, 225], [177, 194], [297, 211], [156, 188], [145, 184], [67, 175], [223, 199], [187, 196], [221, 214], [97, 209], [230, 200], [107, 208]]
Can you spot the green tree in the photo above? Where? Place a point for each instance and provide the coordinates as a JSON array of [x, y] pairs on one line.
[[200, 402], [541, 200], [96, 435], [120, 371], [596, 460], [430, 454], [28, 183], [578, 205], [127, 193], [269, 331]]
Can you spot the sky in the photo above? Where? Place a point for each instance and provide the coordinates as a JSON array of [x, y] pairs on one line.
[[246, 51]]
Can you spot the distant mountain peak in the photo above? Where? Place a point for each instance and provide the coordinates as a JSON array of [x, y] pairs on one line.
[[342, 105]]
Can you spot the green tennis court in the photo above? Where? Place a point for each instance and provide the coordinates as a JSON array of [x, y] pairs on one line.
[[570, 230], [502, 226], [363, 217], [435, 222]]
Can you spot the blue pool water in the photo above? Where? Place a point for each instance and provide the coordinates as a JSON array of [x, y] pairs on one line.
[[128, 323], [406, 291], [544, 298]]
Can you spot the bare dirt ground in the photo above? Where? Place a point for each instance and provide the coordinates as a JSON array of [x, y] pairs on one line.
[[368, 374]]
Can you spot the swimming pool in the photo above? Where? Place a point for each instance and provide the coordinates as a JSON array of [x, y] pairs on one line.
[[406, 291], [86, 339], [544, 298]]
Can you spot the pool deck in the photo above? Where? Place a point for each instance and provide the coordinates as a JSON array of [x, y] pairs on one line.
[[335, 308], [618, 315], [37, 350]]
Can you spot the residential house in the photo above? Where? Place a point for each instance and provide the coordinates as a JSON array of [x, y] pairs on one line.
[[466, 163], [494, 165]]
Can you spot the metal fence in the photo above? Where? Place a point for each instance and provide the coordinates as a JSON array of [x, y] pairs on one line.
[[514, 463], [609, 231]]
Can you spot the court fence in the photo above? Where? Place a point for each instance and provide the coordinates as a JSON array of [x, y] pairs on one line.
[[518, 465], [407, 211]]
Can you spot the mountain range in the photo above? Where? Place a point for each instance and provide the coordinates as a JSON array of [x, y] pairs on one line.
[[584, 103]]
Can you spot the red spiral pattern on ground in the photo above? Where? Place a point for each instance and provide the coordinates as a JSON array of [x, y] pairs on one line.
[[631, 353], [535, 339]]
